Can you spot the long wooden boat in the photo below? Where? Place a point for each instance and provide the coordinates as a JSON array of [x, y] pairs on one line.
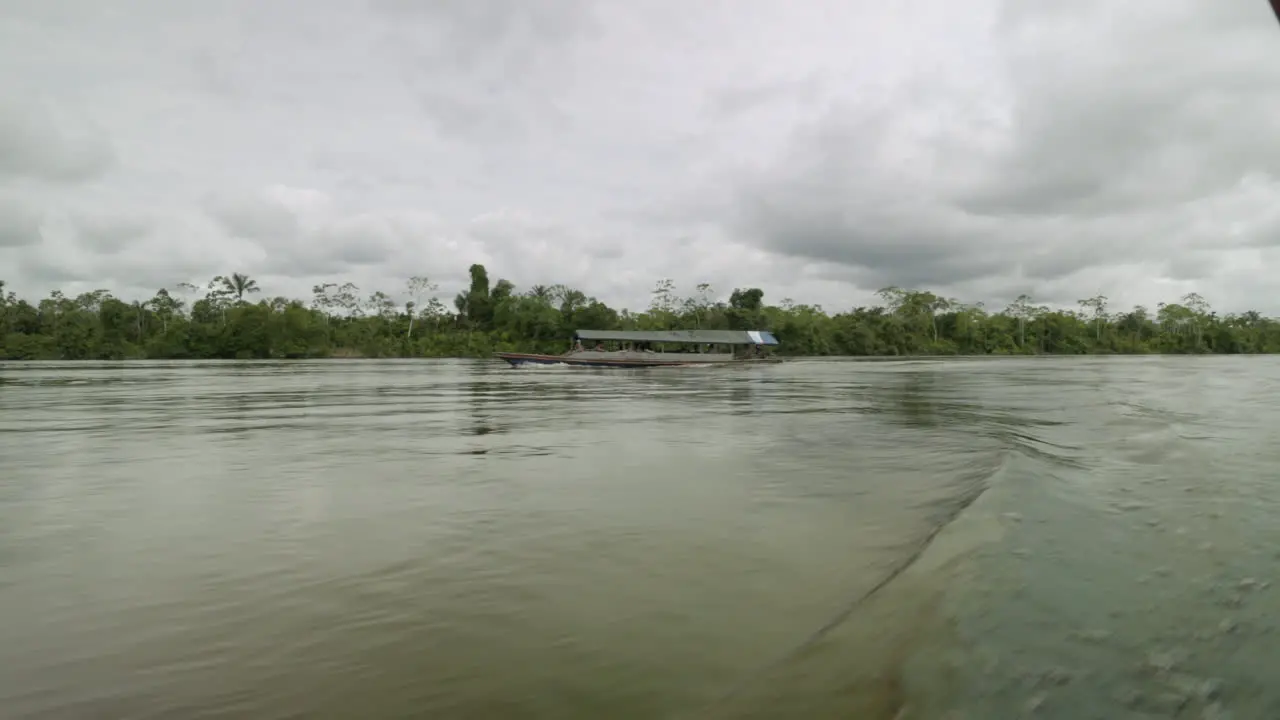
[[657, 348]]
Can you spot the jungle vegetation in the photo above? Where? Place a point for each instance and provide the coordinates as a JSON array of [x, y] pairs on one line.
[[231, 317]]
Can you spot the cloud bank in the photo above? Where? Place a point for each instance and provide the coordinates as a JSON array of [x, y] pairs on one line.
[[819, 150]]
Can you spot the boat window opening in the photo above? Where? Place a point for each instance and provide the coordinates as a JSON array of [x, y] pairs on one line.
[[624, 348]]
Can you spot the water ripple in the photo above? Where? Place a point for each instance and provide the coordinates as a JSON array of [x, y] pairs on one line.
[[455, 539]]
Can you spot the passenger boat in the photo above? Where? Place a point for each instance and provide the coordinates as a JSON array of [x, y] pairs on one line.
[[656, 348]]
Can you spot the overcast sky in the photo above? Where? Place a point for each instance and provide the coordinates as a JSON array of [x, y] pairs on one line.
[[819, 149]]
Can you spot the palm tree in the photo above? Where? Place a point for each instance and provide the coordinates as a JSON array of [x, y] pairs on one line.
[[239, 284]]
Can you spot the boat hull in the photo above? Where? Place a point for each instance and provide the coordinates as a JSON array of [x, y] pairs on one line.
[[523, 359]]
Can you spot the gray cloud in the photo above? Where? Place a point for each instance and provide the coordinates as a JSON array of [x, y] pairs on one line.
[[1134, 121], [485, 69], [112, 232], [36, 143], [820, 150], [212, 74], [733, 101], [253, 217], [19, 224], [460, 34], [1120, 133]]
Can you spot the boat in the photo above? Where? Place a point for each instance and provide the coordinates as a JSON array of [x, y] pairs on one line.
[[656, 348]]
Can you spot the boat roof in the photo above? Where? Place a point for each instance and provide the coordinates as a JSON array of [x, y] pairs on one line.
[[712, 337]]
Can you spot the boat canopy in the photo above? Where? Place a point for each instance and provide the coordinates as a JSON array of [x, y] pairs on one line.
[[709, 337]]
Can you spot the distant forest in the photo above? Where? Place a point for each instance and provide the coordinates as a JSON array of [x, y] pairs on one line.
[[231, 318]]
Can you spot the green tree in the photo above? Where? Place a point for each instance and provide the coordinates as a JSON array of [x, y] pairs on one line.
[[418, 288], [1020, 310], [339, 320]]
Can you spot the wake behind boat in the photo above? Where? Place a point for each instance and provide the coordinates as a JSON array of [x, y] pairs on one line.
[[656, 348]]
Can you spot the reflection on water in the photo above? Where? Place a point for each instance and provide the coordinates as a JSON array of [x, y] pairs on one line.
[[911, 401], [1070, 537]]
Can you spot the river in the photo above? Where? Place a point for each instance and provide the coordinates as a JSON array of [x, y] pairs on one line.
[[991, 538]]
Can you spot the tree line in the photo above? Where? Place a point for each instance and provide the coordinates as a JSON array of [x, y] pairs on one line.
[[229, 318]]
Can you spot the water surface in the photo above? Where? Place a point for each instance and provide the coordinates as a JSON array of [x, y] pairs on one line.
[[457, 539]]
